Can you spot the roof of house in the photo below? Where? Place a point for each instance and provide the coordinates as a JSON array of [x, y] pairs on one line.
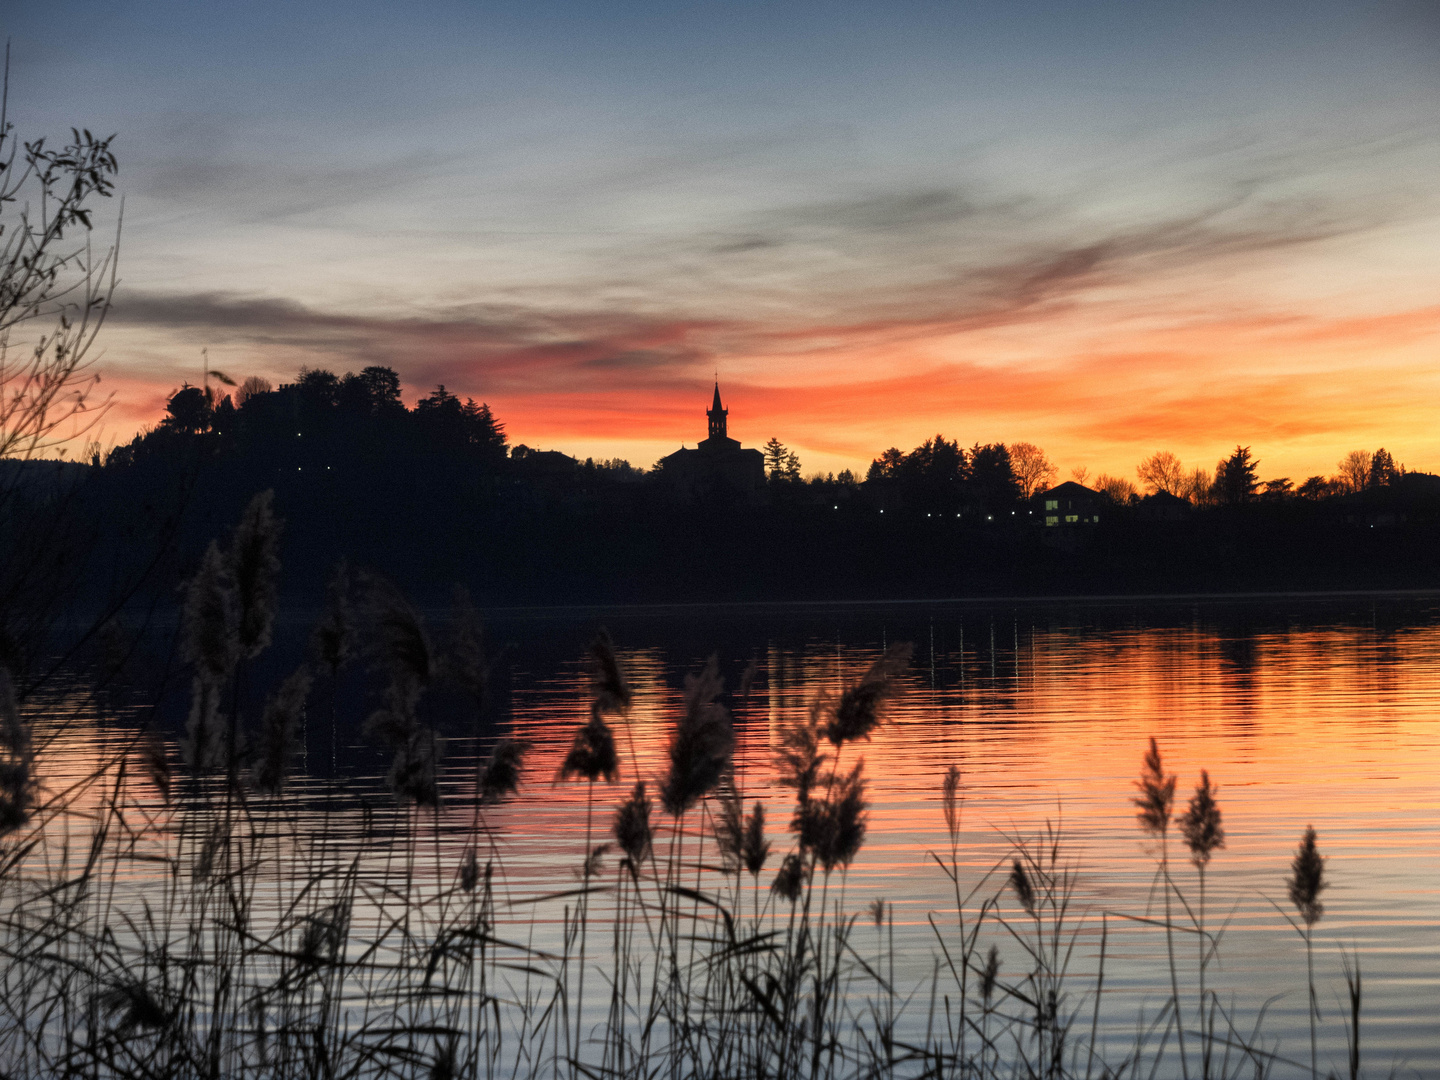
[[1070, 490]]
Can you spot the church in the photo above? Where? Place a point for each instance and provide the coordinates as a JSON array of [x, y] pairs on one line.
[[717, 465]]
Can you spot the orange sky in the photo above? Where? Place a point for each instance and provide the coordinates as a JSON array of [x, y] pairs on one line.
[[1094, 384]]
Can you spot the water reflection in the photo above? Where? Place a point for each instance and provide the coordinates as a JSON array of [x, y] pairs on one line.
[[1300, 715]]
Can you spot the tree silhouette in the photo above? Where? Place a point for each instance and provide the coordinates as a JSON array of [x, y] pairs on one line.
[[319, 389], [1197, 486], [1162, 471], [1383, 470], [188, 411], [1033, 471], [781, 463], [1235, 477], [373, 392], [992, 478], [1354, 474], [49, 275], [933, 475], [1115, 488], [249, 388], [886, 466]]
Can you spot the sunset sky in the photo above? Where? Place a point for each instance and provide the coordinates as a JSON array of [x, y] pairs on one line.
[[1105, 228]]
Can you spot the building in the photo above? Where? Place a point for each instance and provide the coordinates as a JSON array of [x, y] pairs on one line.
[[1070, 504], [717, 466]]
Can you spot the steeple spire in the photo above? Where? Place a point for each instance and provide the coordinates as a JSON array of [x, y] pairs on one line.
[[717, 414]]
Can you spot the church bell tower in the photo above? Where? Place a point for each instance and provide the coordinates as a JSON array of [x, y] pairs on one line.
[[717, 416]]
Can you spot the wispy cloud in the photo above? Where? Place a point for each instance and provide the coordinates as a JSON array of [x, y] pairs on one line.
[[874, 312]]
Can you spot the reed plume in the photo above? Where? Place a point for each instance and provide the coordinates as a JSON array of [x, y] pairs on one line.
[[1307, 879], [17, 760], [282, 726], [255, 567], [701, 744], [611, 693], [754, 848], [799, 758], [857, 713], [1201, 827], [951, 800], [591, 866], [400, 645], [991, 972], [1157, 793], [502, 772], [1306, 883], [730, 830], [414, 747], [414, 770], [209, 635], [833, 827], [210, 642], [203, 746], [1023, 889], [631, 827], [740, 836], [469, 870], [1200, 824], [592, 754], [790, 878]]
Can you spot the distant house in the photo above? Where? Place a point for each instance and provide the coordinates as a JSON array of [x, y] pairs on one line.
[[718, 465], [1070, 504]]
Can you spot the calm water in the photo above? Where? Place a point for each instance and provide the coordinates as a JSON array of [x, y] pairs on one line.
[[1303, 712]]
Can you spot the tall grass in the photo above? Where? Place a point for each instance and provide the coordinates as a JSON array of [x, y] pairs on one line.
[[184, 915]]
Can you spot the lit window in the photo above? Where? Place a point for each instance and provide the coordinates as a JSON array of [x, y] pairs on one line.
[[1052, 520], [1070, 519], [1052, 504]]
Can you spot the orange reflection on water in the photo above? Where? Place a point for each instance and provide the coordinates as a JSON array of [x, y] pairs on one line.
[[1302, 719]]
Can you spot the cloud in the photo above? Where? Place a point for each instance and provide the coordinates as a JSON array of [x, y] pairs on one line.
[[870, 317], [495, 346]]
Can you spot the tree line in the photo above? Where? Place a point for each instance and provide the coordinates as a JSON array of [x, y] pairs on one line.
[[1236, 479], [360, 415]]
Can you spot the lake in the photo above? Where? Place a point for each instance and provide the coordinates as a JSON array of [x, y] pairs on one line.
[[1320, 711]]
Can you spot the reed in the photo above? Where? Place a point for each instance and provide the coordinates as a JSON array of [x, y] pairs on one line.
[[1306, 882], [1153, 808], [159, 920], [1204, 834]]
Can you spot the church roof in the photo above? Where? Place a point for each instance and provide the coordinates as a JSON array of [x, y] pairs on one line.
[[716, 407]]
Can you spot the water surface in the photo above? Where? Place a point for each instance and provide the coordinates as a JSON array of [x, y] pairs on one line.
[[1304, 711]]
